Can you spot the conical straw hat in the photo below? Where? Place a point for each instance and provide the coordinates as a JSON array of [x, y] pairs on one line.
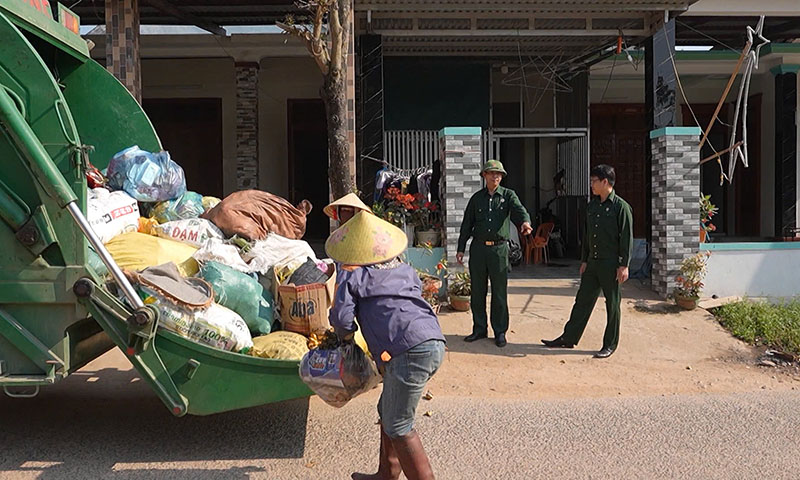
[[366, 240], [349, 200]]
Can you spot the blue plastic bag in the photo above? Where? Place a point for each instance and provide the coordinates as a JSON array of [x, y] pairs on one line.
[[147, 177], [187, 206]]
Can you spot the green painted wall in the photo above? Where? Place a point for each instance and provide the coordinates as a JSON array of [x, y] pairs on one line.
[[431, 93]]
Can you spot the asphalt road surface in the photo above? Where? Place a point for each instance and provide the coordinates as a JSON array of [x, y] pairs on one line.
[[108, 424]]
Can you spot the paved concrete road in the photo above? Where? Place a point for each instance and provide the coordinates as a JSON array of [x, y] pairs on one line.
[[110, 426], [522, 412]]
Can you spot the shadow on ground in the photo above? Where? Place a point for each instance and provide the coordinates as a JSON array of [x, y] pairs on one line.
[[115, 419], [456, 343]]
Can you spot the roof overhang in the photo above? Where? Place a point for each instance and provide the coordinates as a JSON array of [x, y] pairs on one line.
[[494, 28], [508, 28]]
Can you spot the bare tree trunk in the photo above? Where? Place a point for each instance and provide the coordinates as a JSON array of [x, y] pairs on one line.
[[330, 53], [333, 94]]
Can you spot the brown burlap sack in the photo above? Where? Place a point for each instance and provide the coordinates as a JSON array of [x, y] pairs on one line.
[[253, 214]]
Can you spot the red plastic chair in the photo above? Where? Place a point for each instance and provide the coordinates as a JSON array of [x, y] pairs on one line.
[[537, 244]]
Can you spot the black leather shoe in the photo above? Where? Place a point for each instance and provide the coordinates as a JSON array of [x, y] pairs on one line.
[[604, 353], [557, 343], [475, 336], [500, 340]]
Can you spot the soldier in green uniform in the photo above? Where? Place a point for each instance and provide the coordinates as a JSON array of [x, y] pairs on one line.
[[605, 257], [486, 221]]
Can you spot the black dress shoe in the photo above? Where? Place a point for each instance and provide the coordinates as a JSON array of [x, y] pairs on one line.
[[500, 340], [475, 336], [604, 353], [557, 343]]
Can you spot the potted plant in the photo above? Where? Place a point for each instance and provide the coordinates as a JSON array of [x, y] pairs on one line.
[[459, 289], [396, 208], [425, 217], [690, 281], [707, 210], [431, 285]]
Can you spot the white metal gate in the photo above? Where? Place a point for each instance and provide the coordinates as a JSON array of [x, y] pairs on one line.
[[411, 149]]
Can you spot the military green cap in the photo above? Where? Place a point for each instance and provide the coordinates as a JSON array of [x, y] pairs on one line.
[[494, 166]]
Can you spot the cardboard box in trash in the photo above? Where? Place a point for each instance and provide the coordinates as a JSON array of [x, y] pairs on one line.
[[304, 308]]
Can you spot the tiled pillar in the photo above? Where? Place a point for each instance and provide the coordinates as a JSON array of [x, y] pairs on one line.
[[786, 148], [460, 152], [246, 125], [675, 206], [122, 44]]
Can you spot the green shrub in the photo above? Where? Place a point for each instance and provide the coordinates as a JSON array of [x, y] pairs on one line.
[[761, 323]]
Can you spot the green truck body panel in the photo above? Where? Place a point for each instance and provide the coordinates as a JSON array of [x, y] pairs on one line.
[[60, 110]]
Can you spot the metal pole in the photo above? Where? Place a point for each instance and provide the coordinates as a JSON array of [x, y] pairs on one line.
[[109, 262]]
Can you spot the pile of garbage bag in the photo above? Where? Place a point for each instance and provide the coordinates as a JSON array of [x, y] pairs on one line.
[[230, 273]]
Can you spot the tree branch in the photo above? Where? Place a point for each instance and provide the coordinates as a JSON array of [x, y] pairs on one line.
[[317, 50], [337, 40], [319, 15]]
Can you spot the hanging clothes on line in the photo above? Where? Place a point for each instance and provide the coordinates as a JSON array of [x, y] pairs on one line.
[[413, 186], [436, 178], [424, 184], [382, 177], [408, 181]]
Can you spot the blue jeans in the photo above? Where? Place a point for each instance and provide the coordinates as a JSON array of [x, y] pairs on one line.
[[404, 380]]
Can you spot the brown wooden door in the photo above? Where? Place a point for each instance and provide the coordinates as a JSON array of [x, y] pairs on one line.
[[619, 138], [190, 129], [308, 161]]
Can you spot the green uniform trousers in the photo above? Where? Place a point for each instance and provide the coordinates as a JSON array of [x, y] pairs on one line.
[[600, 275], [489, 263]]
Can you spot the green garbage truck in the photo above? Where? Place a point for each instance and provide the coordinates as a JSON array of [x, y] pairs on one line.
[[61, 111]]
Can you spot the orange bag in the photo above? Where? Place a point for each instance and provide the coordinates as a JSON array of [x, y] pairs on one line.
[[252, 214]]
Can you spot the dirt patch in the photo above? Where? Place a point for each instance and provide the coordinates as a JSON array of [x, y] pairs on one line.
[[662, 351]]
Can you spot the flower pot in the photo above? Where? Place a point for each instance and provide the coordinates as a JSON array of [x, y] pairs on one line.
[[459, 303], [431, 237], [686, 303], [703, 235]]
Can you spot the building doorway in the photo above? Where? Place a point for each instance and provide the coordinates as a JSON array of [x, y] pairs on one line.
[[308, 162], [619, 138], [710, 181], [190, 129]]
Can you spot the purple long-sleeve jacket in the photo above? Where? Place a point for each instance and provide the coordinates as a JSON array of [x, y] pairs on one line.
[[388, 304]]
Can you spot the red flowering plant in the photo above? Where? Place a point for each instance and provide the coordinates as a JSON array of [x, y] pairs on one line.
[[707, 210], [425, 215], [690, 280], [398, 207]]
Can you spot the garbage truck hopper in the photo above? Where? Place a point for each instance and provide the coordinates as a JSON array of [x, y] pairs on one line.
[[59, 111]]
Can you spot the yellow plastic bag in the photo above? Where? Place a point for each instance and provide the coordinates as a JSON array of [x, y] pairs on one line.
[[281, 345], [362, 342], [147, 225], [137, 251], [210, 202]]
